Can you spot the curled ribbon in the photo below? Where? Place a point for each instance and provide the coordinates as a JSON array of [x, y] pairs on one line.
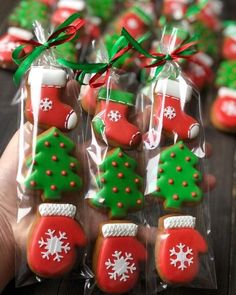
[[101, 70], [25, 54], [184, 51]]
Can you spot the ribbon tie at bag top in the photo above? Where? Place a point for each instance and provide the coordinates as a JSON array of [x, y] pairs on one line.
[[183, 51], [101, 71], [65, 32]]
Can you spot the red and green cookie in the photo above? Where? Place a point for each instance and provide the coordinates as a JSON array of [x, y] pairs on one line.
[[119, 185], [52, 168], [178, 179]]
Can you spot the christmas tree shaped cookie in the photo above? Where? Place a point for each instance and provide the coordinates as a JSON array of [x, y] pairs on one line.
[[177, 181], [53, 170], [119, 185], [226, 74]]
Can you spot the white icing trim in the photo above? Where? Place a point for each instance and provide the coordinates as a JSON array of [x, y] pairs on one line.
[[179, 222], [119, 230], [76, 5], [173, 88], [224, 91], [20, 33], [49, 77], [230, 31], [204, 58], [50, 209]]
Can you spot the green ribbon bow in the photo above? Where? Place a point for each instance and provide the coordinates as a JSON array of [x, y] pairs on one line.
[[119, 48], [185, 50], [24, 55]]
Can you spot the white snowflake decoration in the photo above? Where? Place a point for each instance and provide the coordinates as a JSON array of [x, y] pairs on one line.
[[114, 116], [45, 104], [182, 256], [229, 107], [54, 245], [121, 266], [132, 23], [169, 112]]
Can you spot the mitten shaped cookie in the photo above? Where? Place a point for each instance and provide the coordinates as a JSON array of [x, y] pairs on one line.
[[169, 110], [119, 185], [177, 250], [112, 118], [52, 169], [117, 257], [177, 179], [223, 111], [54, 237], [229, 43], [45, 90]]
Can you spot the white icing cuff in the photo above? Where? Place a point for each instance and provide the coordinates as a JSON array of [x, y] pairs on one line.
[[76, 5], [20, 33], [204, 58], [223, 91], [50, 209], [174, 88], [180, 222], [230, 31], [50, 77], [119, 230]]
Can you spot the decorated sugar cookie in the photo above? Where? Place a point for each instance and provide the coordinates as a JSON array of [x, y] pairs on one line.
[[112, 117], [177, 250], [119, 185], [226, 74], [52, 170], [229, 43], [223, 111], [117, 257], [45, 89], [177, 180], [54, 237]]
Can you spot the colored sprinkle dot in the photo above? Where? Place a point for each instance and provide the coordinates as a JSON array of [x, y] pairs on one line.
[[119, 205], [62, 145], [47, 143], [161, 170], [193, 194], [120, 154], [34, 162], [55, 134], [175, 197], [115, 189], [49, 172], [195, 175], [178, 168], [72, 165], [33, 183], [181, 146], [128, 190], [114, 164], [187, 159], [172, 155], [158, 189], [136, 180], [63, 172], [139, 202], [53, 187], [126, 164], [103, 180], [72, 183], [171, 181], [120, 175], [184, 183], [54, 158]]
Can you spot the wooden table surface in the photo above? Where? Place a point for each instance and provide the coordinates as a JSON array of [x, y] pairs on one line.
[[223, 198]]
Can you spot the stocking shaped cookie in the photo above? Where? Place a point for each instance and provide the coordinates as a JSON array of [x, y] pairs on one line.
[[119, 186], [54, 237], [229, 43], [52, 170], [177, 250], [45, 89], [169, 110], [117, 258], [175, 9], [177, 179], [223, 112], [112, 117]]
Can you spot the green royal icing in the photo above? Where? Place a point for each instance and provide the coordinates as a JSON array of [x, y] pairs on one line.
[[177, 177], [68, 51], [27, 12], [120, 187], [54, 171], [103, 9], [226, 74]]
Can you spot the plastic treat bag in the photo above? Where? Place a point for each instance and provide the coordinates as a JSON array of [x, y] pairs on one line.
[[49, 179], [174, 152]]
